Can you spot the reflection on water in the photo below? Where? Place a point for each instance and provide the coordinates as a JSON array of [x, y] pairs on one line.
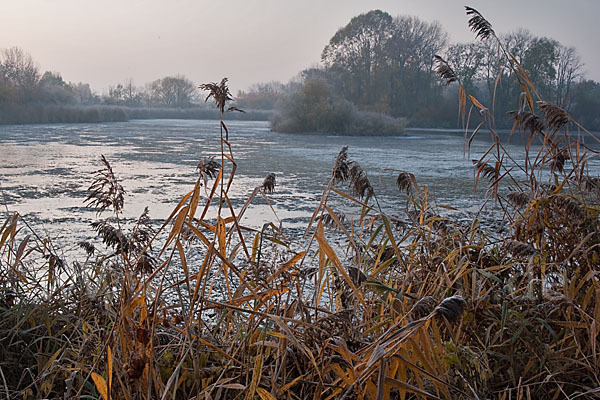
[[46, 169]]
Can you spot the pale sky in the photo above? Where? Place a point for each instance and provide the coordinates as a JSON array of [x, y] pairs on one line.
[[104, 42]]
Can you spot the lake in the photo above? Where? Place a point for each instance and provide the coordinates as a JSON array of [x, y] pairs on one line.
[[46, 169]]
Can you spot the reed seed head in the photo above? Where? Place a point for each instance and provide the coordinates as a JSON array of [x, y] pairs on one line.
[[422, 308], [406, 182], [341, 168], [444, 70], [208, 168], [105, 191], [219, 92], [526, 120], [451, 308], [484, 168], [479, 25], [555, 116], [518, 199]]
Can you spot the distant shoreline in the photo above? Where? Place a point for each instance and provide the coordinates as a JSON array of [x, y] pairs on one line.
[[51, 114]]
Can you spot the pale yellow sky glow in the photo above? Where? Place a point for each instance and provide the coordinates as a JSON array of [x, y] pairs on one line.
[[249, 41]]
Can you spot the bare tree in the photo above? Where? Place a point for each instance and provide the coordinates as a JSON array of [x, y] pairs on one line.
[[358, 50], [130, 93], [18, 69], [414, 42], [569, 71], [176, 91]]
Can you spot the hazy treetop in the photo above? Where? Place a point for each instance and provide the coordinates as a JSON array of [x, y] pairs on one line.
[[249, 41]]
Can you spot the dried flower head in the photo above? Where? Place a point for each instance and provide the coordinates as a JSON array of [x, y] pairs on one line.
[[359, 182], [518, 199], [208, 169], [451, 308], [111, 236], [527, 120], [479, 25], [145, 263], [422, 308], [558, 161], [406, 182], [341, 168], [570, 207], [345, 169], [555, 116], [88, 247], [219, 92], [330, 223], [485, 169], [444, 70], [142, 232], [106, 191]]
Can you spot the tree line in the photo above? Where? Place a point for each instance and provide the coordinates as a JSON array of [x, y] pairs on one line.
[[385, 65], [27, 95]]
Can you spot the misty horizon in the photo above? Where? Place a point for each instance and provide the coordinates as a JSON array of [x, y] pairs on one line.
[[109, 43]]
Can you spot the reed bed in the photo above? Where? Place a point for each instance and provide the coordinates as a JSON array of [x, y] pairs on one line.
[[412, 306]]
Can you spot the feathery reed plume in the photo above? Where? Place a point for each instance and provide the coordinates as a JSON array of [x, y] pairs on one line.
[[486, 169], [570, 206], [422, 308], [479, 25], [341, 169], [269, 183], [555, 116], [558, 161], [527, 120], [517, 199], [88, 247], [359, 182], [208, 169], [105, 191], [142, 232], [345, 169], [145, 263], [329, 222], [406, 182], [519, 249], [111, 236], [444, 70], [451, 308], [219, 92]]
